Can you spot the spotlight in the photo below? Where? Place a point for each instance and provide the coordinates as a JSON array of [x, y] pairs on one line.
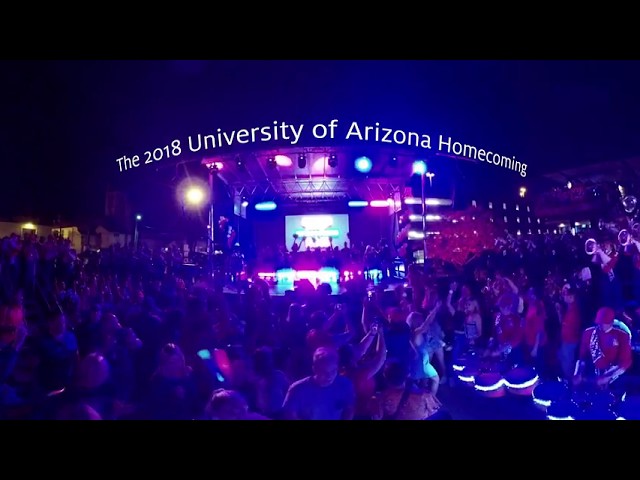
[[419, 167], [393, 161], [271, 162], [239, 163], [363, 164], [302, 160], [333, 160]]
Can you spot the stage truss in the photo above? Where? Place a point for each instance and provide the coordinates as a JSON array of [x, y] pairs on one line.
[[249, 176]]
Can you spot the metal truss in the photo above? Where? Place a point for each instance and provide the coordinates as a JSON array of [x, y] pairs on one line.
[[317, 189]]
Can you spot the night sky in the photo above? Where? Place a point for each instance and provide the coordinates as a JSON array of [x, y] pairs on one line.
[[65, 122]]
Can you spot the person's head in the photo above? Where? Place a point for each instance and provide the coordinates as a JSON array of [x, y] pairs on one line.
[[109, 325], [263, 362], [295, 313], [396, 315], [325, 366], [324, 290], [57, 325], [470, 306], [506, 304], [93, 372], [395, 373], [317, 338], [172, 363], [605, 318], [11, 318], [227, 405], [317, 319], [569, 295]]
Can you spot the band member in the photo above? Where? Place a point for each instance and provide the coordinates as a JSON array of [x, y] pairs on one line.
[[228, 234], [605, 351], [403, 246]]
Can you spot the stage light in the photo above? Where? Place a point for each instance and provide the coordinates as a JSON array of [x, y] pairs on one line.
[[245, 204], [266, 206], [212, 164], [393, 161], [195, 196], [239, 163], [283, 161], [523, 192], [358, 203], [419, 167], [415, 235], [271, 162], [138, 217], [302, 160], [333, 160], [363, 164], [378, 203]]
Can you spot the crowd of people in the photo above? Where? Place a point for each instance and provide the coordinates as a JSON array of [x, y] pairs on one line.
[[117, 335]]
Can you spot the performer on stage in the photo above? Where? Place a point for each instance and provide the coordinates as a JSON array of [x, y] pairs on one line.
[[403, 246], [605, 352]]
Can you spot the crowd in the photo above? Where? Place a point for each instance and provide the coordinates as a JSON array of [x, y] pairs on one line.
[[119, 335]]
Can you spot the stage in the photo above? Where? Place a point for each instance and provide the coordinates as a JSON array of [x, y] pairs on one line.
[[284, 280]]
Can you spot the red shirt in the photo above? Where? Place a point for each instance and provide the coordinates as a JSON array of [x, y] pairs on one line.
[[615, 348], [509, 330], [571, 324], [534, 325]]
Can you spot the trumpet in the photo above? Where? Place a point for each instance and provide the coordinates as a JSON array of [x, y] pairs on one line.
[[591, 246], [627, 237]]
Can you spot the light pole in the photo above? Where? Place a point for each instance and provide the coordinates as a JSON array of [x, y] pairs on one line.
[[136, 232], [213, 168], [195, 196], [420, 168]]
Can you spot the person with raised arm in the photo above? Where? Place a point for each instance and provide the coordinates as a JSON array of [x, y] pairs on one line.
[[360, 363]]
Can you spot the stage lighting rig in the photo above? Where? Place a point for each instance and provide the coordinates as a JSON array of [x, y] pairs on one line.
[[333, 160], [302, 160]]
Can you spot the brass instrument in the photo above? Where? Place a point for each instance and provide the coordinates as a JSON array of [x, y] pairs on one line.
[[629, 203], [629, 236], [591, 246]]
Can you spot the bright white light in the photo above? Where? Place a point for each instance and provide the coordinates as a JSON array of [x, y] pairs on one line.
[[195, 196], [245, 204], [419, 167], [283, 161]]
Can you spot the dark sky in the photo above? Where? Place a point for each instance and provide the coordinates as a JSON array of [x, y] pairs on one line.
[[65, 122]]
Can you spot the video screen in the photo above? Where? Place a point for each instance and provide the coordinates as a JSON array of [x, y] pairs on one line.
[[317, 231]]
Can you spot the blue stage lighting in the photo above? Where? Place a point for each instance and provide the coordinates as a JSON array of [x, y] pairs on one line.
[[363, 164], [419, 167], [266, 206], [358, 203]]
